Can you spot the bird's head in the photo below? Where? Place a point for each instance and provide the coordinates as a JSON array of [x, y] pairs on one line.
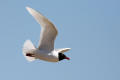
[[62, 56]]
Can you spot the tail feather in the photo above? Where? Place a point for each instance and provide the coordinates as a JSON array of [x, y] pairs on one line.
[[26, 47]]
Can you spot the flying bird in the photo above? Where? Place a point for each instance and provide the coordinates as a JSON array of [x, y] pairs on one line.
[[45, 50]]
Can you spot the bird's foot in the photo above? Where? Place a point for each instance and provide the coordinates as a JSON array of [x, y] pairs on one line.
[[30, 55]]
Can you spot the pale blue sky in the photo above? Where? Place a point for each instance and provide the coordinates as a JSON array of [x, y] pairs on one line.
[[90, 27]]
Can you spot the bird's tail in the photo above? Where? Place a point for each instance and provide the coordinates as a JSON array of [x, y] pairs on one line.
[[26, 47]]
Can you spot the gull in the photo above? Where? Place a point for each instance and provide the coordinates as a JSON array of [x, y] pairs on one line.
[[45, 50]]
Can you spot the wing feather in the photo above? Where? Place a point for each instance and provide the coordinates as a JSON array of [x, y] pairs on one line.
[[48, 30]]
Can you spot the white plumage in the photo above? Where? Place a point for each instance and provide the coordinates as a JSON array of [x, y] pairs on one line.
[[45, 50]]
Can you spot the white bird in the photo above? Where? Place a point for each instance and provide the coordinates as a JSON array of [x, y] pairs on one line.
[[45, 50]]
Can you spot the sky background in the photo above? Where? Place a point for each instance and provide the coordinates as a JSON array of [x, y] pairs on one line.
[[90, 27]]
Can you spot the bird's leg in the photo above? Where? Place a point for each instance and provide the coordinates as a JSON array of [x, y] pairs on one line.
[[30, 55]]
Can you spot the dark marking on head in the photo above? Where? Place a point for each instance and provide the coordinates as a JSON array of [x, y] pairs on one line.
[[61, 56]]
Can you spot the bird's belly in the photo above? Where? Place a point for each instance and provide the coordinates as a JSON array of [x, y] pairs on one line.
[[47, 57]]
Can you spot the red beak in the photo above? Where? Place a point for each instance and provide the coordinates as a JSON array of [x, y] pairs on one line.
[[67, 58]]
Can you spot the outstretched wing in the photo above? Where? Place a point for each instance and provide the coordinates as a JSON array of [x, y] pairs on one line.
[[48, 30], [62, 50]]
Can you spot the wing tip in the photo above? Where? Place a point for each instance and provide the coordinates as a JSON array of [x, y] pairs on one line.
[[28, 8], [68, 48], [32, 11]]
